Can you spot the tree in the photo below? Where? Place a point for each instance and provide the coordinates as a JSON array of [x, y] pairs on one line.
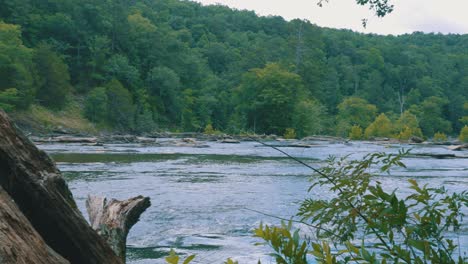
[[267, 98], [407, 126], [54, 79], [431, 116], [120, 110], [16, 69], [354, 111], [96, 105], [164, 87], [309, 118]]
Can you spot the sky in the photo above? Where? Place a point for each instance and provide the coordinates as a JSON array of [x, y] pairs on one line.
[[439, 16]]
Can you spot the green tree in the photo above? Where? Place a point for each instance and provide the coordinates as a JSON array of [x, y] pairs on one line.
[[354, 111], [96, 105], [16, 69], [165, 88], [431, 116], [309, 118], [407, 126], [267, 98], [54, 79], [120, 109]]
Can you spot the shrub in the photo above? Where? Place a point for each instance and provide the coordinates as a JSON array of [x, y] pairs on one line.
[[209, 130], [381, 127], [364, 223], [356, 132], [464, 134], [440, 137], [290, 133]]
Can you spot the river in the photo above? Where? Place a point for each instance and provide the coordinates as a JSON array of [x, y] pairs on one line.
[[202, 198]]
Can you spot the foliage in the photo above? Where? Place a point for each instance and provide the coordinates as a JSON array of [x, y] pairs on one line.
[[267, 98], [244, 72], [309, 118], [120, 108], [286, 243], [8, 99], [431, 115], [464, 119], [381, 127], [439, 137], [407, 126], [370, 225], [290, 133], [463, 137], [174, 259], [209, 130], [356, 132], [16, 69], [356, 111], [54, 79], [96, 105]]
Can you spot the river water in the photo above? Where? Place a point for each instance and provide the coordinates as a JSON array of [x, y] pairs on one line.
[[204, 199]]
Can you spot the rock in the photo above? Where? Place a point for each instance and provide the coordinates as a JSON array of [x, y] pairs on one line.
[[415, 139]]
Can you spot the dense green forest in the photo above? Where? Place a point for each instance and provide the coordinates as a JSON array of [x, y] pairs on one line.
[[176, 65]]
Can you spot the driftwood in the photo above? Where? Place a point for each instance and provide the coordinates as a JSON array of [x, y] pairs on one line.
[[32, 180], [458, 147], [19, 241], [113, 219]]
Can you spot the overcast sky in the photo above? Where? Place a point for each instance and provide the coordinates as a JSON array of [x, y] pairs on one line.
[[445, 16]]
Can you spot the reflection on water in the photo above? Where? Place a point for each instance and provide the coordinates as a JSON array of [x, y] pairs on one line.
[[200, 196]]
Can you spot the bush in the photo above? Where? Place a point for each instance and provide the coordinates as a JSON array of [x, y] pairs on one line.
[[464, 134], [440, 137], [290, 133], [356, 132], [381, 127], [209, 130], [364, 223]]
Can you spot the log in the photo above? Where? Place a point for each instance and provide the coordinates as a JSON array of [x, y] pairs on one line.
[[458, 147], [113, 219], [19, 241], [33, 181]]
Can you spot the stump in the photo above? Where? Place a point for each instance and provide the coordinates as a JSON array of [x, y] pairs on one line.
[[113, 219], [36, 186]]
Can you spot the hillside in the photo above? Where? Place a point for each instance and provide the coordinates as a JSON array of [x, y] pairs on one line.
[[177, 65]]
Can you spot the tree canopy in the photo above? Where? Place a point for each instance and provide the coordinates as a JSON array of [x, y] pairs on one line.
[[184, 66]]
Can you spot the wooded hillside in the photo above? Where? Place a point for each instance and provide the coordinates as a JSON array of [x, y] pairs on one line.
[[168, 64]]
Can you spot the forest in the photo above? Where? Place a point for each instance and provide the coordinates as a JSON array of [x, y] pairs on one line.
[[142, 66]]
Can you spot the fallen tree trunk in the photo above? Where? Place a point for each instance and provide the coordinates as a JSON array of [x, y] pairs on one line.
[[19, 242], [113, 219], [32, 180]]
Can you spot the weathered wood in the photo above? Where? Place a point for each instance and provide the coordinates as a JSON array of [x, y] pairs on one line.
[[33, 181], [113, 219], [458, 147], [19, 241]]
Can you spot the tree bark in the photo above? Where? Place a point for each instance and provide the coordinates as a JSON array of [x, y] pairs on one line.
[[32, 180], [113, 219], [19, 241]]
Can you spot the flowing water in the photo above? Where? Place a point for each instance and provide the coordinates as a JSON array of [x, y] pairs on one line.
[[204, 200]]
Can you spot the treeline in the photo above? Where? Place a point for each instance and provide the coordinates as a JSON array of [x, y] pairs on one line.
[[168, 64]]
